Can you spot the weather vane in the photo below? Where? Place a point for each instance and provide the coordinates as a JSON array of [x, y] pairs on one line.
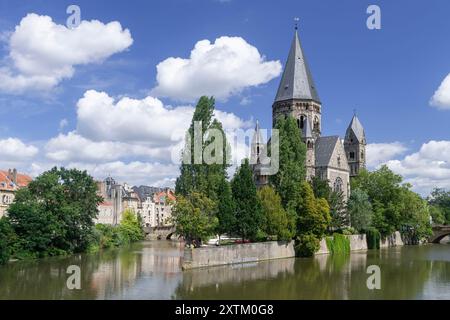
[[296, 20]]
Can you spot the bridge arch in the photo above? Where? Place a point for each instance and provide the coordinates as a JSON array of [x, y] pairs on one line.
[[439, 233]]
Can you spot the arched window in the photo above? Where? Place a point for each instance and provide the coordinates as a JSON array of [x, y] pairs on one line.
[[338, 185], [362, 155], [301, 122], [352, 155], [309, 144]]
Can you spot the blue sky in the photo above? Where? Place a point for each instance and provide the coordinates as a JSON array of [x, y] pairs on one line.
[[387, 75]]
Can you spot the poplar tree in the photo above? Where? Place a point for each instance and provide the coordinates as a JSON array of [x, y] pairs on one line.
[[248, 211]]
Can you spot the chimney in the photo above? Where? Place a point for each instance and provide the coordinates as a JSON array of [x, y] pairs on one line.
[[14, 177]]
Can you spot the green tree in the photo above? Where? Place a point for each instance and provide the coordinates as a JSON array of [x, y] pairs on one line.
[[360, 210], [201, 176], [5, 238], [437, 215], [321, 187], [248, 209], [225, 209], [440, 198], [195, 217], [278, 222], [338, 211], [292, 156], [313, 219], [384, 189], [130, 227], [55, 213]]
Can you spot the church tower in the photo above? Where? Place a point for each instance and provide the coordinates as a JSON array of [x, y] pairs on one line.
[[297, 94], [355, 146], [256, 158]]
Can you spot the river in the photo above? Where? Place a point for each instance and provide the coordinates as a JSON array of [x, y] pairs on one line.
[[151, 270]]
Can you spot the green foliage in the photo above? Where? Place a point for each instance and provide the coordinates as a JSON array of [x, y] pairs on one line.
[[54, 214], [5, 238], [194, 217], [204, 177], [130, 227], [437, 214], [306, 245], [394, 205], [313, 215], [338, 210], [292, 156], [373, 238], [278, 222], [440, 199], [248, 208], [339, 244], [360, 210], [107, 236], [225, 209], [321, 188]]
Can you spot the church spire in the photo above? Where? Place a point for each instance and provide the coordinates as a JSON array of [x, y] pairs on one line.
[[297, 81]]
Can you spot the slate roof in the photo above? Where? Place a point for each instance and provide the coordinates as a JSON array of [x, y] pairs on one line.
[[324, 150], [297, 81], [356, 127]]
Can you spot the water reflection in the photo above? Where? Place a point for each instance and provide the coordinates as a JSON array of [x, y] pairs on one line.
[[152, 270]]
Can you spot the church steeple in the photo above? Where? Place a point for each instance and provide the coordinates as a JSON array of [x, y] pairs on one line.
[[297, 94], [355, 146], [297, 81]]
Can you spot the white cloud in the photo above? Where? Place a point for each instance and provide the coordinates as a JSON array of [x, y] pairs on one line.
[[13, 149], [73, 147], [43, 53], [63, 123], [441, 98], [427, 168], [220, 69], [134, 135], [148, 120], [378, 153]]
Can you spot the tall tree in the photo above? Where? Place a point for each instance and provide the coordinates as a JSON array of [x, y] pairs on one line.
[[277, 221], [5, 238], [338, 211], [225, 209], [248, 209], [360, 210], [205, 154], [55, 213], [292, 156]]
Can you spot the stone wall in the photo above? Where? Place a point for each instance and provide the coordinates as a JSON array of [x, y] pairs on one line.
[[239, 253], [357, 242], [393, 240]]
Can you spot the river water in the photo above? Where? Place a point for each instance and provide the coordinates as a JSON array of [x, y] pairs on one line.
[[152, 270]]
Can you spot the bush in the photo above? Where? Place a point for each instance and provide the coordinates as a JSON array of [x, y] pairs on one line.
[[373, 238], [349, 231], [306, 245], [339, 243]]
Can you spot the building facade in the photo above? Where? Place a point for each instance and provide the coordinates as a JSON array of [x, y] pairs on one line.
[[327, 157], [10, 182]]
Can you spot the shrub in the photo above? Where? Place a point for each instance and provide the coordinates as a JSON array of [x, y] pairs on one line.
[[339, 243], [5, 234], [306, 245]]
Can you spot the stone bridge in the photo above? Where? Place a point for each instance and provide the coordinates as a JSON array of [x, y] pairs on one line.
[[439, 233], [161, 232]]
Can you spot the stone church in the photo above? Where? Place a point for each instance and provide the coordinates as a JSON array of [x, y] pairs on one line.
[[328, 157]]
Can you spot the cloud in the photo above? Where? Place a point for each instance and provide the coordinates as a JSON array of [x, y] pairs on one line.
[[63, 123], [441, 98], [220, 69], [14, 149], [427, 168], [378, 153], [43, 53], [101, 117], [134, 135]]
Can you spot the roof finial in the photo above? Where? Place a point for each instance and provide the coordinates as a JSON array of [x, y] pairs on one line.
[[296, 20], [354, 112]]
